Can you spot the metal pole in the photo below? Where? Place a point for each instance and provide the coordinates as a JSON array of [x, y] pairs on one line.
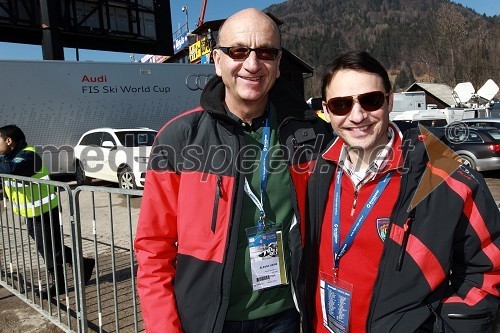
[[52, 47], [185, 10]]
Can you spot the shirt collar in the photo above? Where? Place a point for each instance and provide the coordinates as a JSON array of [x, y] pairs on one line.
[[256, 122], [388, 158]]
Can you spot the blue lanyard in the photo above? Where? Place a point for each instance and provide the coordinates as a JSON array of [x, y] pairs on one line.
[[340, 250], [266, 139]]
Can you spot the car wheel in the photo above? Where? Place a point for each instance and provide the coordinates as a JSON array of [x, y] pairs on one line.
[[81, 178], [466, 160], [126, 179]]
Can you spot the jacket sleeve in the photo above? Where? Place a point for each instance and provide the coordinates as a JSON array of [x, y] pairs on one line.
[[473, 293], [156, 251], [5, 165]]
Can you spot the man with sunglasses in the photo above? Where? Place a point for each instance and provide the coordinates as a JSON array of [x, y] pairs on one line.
[[400, 237], [218, 241]]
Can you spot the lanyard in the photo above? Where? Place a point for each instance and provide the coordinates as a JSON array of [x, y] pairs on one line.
[[340, 250], [266, 138]]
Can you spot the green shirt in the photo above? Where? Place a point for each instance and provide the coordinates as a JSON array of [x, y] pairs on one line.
[[244, 303]]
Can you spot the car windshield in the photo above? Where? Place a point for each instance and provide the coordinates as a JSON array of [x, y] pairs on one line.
[[136, 138]]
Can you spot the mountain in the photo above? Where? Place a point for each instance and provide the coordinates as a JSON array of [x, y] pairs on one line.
[[425, 41]]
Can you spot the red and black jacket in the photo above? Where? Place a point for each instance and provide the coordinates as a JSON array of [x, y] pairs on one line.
[[440, 267], [188, 225]]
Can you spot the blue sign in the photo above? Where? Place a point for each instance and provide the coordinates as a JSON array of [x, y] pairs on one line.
[[205, 59], [181, 42]]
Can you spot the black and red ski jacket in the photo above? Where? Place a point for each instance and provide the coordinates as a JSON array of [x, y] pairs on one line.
[[188, 225], [440, 267]]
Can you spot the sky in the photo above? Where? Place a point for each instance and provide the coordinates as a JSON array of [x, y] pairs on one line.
[[216, 9]]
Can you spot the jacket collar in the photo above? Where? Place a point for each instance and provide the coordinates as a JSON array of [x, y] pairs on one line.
[[286, 100], [19, 146]]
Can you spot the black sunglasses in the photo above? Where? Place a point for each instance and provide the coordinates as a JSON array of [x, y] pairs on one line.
[[370, 101], [242, 52]]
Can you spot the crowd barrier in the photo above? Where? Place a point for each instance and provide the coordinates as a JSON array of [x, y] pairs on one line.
[[94, 221]]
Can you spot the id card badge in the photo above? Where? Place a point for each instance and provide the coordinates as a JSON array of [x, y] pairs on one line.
[[335, 303], [267, 260]]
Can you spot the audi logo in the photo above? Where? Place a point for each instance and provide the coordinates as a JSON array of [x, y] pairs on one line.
[[197, 81]]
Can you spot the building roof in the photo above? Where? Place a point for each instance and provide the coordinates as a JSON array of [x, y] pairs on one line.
[[306, 68], [440, 91], [212, 25]]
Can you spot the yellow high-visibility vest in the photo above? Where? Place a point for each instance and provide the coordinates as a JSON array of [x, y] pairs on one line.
[[31, 199]]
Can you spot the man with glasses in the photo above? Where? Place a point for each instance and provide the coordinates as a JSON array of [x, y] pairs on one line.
[[218, 241], [400, 236]]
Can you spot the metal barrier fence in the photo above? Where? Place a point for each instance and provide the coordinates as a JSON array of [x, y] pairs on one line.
[[93, 221], [109, 217]]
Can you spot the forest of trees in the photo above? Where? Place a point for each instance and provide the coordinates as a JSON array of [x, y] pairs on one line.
[[424, 41]]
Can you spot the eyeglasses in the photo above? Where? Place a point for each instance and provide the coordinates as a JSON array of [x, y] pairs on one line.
[[243, 52], [370, 101]]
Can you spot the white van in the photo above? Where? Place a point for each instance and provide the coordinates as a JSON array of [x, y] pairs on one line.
[[430, 118], [419, 115]]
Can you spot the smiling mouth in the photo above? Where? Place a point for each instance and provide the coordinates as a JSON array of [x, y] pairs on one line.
[[255, 79], [359, 129]]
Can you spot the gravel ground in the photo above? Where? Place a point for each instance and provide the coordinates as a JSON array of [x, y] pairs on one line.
[[17, 316]]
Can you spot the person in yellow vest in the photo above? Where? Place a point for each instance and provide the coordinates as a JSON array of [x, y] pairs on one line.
[[38, 204]]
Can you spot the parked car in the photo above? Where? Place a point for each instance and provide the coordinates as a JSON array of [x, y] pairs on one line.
[[482, 122], [115, 155], [479, 147]]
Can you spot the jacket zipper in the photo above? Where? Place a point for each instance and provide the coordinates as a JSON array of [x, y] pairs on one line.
[[469, 316], [218, 195], [295, 144], [220, 288], [439, 322], [407, 231], [354, 202]]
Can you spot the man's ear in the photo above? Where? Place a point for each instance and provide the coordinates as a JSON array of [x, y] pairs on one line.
[[325, 112], [217, 60], [278, 72], [390, 103]]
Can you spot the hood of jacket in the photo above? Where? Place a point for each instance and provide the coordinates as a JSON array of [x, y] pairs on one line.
[[283, 96]]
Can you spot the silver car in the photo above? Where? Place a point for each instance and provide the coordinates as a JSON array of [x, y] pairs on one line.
[[482, 122]]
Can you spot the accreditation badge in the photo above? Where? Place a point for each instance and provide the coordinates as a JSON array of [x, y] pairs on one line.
[[335, 297], [267, 261]]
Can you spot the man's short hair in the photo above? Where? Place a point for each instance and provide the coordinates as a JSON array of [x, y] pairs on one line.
[[354, 60], [13, 132]]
